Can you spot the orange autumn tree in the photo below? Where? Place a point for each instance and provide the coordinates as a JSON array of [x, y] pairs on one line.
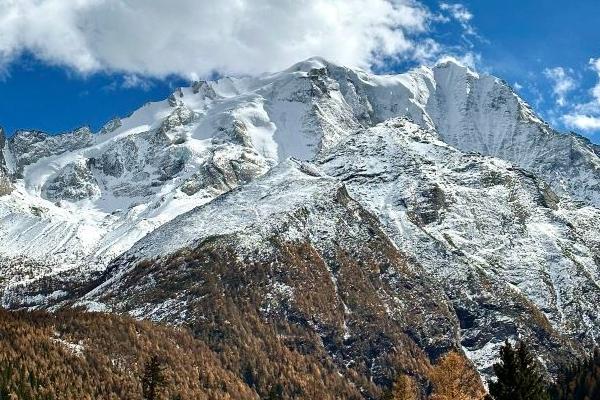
[[454, 378], [404, 388]]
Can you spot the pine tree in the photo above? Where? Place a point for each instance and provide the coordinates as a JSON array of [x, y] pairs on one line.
[[517, 375], [153, 379], [276, 392], [580, 381]]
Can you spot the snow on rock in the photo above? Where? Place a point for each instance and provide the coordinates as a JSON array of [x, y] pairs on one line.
[[305, 253], [462, 175], [287, 186], [84, 199], [473, 221], [5, 183], [481, 113]]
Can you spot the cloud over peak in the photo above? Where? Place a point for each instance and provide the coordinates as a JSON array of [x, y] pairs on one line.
[[191, 37]]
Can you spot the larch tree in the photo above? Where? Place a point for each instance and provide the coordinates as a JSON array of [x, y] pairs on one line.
[[454, 378], [404, 388]]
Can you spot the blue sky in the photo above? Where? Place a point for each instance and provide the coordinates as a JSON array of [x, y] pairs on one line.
[[85, 64], [55, 99]]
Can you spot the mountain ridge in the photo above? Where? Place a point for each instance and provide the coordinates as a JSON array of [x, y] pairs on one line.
[[493, 213]]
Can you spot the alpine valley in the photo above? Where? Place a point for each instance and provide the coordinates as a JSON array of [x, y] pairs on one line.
[[371, 222]]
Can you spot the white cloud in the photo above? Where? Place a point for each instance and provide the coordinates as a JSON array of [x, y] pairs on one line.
[[562, 83], [135, 81], [583, 122], [468, 59], [460, 13], [197, 37], [586, 116], [595, 65]]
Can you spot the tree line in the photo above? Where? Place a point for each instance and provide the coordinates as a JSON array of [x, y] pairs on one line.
[[72, 355], [517, 376]]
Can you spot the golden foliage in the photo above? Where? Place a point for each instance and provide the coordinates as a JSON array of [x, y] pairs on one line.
[[404, 388], [454, 378], [71, 355]]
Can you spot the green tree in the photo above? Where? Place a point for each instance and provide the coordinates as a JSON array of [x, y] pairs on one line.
[[276, 392], [580, 381], [517, 375], [153, 379]]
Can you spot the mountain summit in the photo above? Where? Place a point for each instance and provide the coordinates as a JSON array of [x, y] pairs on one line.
[[371, 214]]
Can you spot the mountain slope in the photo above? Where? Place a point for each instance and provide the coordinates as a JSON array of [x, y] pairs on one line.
[[89, 197], [436, 206], [73, 355], [479, 113], [291, 249], [84, 199], [437, 212], [472, 222]]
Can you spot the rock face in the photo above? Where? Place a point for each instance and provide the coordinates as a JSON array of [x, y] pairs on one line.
[[378, 216], [5, 183], [73, 182], [27, 147], [482, 114], [475, 222]]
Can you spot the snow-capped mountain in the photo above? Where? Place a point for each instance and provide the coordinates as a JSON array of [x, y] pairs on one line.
[[473, 221], [440, 186]]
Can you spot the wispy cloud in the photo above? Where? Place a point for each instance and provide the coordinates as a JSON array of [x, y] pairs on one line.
[[468, 59], [582, 121], [136, 82], [562, 83], [460, 13], [595, 65], [586, 116]]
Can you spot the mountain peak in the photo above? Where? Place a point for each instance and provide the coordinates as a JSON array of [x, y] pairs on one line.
[[456, 66], [315, 62]]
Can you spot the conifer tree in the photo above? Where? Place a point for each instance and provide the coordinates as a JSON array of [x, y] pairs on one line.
[[5, 376], [580, 381], [153, 379], [276, 392], [517, 376]]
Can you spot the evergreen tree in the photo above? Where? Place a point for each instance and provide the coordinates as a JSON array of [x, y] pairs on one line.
[[580, 381], [517, 376], [276, 392], [153, 379], [5, 377]]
